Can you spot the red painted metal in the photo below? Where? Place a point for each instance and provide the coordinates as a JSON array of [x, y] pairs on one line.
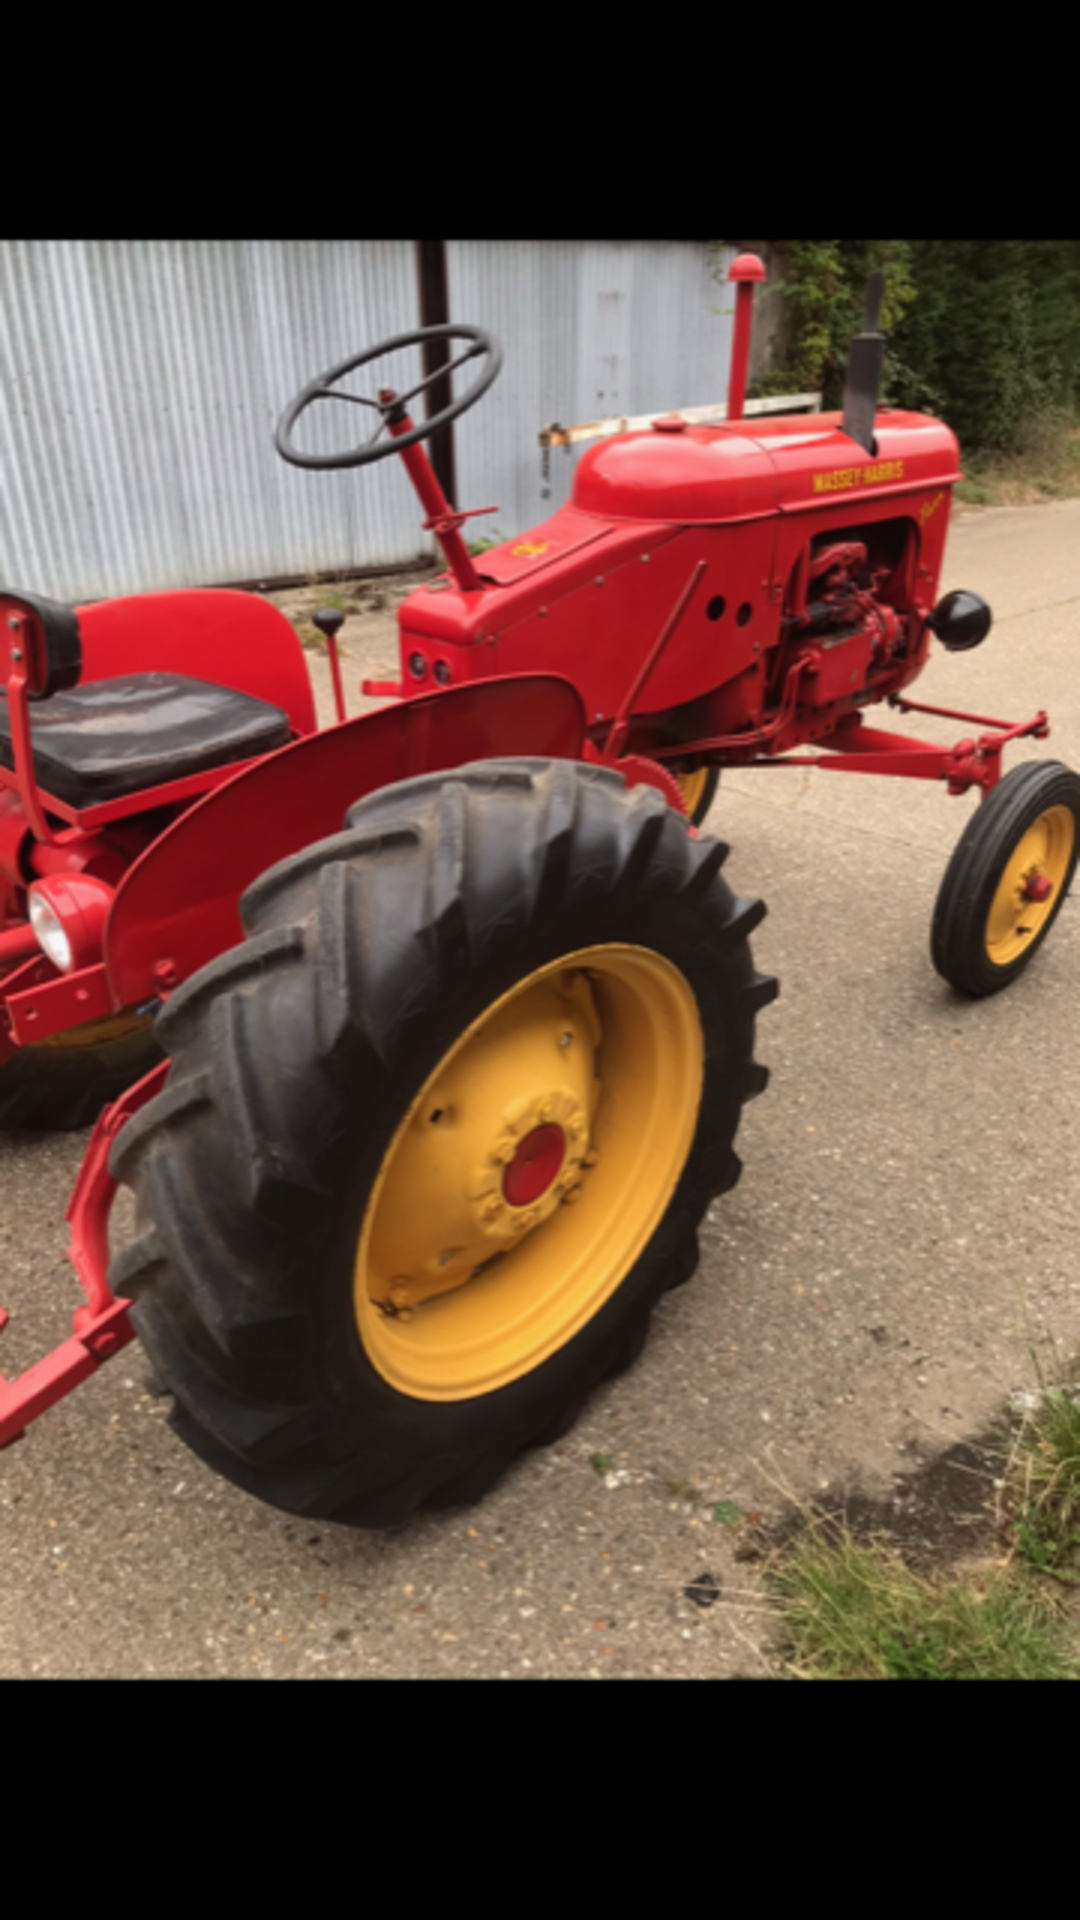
[[19, 684], [754, 744], [1038, 728], [23, 647], [733, 472], [17, 943], [218, 634], [14, 833], [66, 1001], [61, 1371], [746, 271], [534, 1166], [32, 972], [441, 516], [1037, 887], [636, 771], [104, 856], [100, 1328], [856, 748], [620, 727], [88, 1249], [179, 902], [172, 793], [335, 675], [585, 592]]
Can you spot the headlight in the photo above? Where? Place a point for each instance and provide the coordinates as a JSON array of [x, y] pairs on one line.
[[52, 939], [68, 912]]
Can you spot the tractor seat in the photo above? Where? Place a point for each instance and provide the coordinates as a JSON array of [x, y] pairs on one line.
[[109, 738]]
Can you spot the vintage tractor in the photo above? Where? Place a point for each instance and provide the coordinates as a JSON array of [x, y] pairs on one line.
[[445, 1016]]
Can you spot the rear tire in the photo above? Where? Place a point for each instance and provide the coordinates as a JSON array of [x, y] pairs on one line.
[[63, 1083], [439, 1135]]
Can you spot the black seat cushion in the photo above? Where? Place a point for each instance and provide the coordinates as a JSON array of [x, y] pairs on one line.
[[109, 738]]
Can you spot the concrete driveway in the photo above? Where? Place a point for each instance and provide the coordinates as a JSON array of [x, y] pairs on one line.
[[903, 1241]]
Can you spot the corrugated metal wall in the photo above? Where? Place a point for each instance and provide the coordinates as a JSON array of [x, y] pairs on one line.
[[139, 387], [140, 382], [589, 328]]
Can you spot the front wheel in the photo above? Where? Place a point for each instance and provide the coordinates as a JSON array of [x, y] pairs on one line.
[[1008, 878], [439, 1135], [698, 792]]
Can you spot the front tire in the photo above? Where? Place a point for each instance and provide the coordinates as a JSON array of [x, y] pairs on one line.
[[698, 791], [439, 1135], [1007, 879]]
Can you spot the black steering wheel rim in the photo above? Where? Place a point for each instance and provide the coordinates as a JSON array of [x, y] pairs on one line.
[[483, 343]]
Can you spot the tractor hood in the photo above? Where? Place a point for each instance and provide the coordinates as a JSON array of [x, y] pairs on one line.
[[696, 475]]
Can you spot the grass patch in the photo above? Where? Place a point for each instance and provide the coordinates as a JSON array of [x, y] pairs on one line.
[[341, 602], [1043, 1486], [856, 1611], [1044, 465]]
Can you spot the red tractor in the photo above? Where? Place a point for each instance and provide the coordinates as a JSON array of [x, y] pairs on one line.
[[445, 1015]]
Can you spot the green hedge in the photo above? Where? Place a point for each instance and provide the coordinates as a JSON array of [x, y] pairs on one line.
[[984, 332]]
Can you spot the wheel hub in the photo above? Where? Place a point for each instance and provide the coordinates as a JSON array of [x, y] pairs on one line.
[[1029, 885], [534, 1166], [497, 1146], [530, 1170]]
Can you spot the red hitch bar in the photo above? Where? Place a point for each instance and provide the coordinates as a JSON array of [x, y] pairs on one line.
[[100, 1328]]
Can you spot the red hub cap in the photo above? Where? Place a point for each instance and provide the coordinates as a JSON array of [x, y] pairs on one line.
[[1038, 888], [534, 1166]]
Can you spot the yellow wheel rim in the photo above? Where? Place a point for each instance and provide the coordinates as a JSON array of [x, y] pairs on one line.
[[1030, 886], [692, 787], [530, 1173]]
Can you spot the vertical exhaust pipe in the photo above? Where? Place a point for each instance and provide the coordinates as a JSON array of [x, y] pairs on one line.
[[746, 271], [866, 357]]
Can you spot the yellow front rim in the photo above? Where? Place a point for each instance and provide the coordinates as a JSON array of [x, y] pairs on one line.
[[692, 786], [530, 1173], [1030, 886]]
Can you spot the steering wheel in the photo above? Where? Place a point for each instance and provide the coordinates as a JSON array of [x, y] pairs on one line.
[[390, 406]]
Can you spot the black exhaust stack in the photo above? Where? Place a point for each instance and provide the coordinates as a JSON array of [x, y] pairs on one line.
[[865, 361]]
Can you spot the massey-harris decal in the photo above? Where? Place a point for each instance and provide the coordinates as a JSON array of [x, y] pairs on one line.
[[841, 478]]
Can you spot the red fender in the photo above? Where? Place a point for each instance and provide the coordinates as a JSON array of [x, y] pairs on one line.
[[178, 905]]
